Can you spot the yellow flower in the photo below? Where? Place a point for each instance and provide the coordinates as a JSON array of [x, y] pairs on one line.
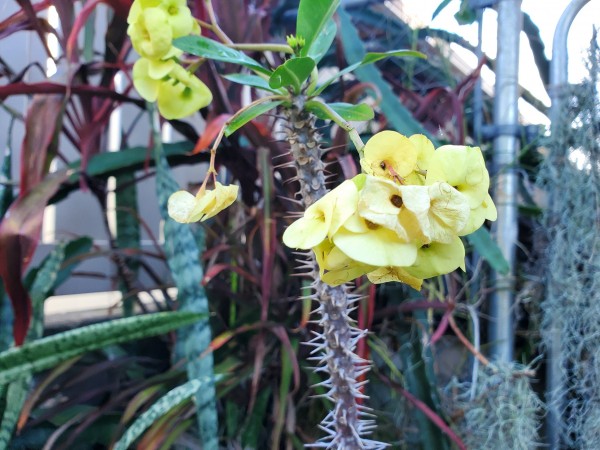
[[387, 274], [462, 168], [182, 94], [389, 154], [177, 92], [485, 211], [448, 212], [178, 14], [438, 258], [184, 207], [425, 152], [369, 243], [323, 218], [148, 75], [335, 267], [402, 209], [151, 34]]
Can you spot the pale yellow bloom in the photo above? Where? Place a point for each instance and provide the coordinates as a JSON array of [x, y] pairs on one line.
[[485, 211], [402, 209], [177, 92], [448, 212], [179, 16], [323, 218], [184, 207], [182, 94], [388, 274], [425, 152], [151, 34], [372, 244], [335, 267], [389, 154], [438, 258], [463, 168]]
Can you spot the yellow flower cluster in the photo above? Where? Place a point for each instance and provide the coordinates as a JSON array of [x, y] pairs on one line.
[[401, 220], [153, 24]]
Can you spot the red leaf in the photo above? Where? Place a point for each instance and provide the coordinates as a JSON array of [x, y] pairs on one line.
[[120, 7], [210, 132], [42, 126], [19, 234]]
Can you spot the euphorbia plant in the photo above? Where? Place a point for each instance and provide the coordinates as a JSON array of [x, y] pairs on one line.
[[400, 220]]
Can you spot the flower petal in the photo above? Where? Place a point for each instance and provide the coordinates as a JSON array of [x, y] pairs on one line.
[[389, 154]]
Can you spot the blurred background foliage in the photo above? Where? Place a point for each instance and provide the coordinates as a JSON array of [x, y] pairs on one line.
[[241, 284]]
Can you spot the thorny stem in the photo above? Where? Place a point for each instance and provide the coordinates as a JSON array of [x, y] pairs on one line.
[[334, 347]]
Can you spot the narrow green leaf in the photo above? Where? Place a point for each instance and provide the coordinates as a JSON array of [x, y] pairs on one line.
[[256, 420], [248, 115], [398, 116], [167, 402], [347, 111], [440, 8], [44, 353], [369, 58], [373, 57], [313, 15], [293, 73], [323, 41], [489, 250], [108, 164], [250, 80], [16, 394], [207, 48]]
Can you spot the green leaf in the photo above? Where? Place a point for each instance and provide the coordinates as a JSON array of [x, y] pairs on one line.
[[489, 250], [369, 58], [127, 160], [250, 80], [249, 114], [209, 49], [164, 404], [466, 15], [73, 249], [346, 111], [313, 15], [398, 116], [15, 399], [440, 8], [372, 57], [323, 41], [44, 353], [293, 73], [128, 236]]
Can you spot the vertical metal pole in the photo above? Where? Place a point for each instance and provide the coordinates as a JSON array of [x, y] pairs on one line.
[[505, 153], [558, 81]]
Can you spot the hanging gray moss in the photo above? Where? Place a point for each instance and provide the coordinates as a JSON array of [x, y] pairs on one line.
[[571, 323], [499, 410]]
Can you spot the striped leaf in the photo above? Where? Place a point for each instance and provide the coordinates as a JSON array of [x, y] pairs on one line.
[[44, 353], [162, 406], [183, 258]]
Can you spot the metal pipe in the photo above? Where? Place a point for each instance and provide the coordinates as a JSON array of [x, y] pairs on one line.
[[559, 71], [559, 66], [506, 118]]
